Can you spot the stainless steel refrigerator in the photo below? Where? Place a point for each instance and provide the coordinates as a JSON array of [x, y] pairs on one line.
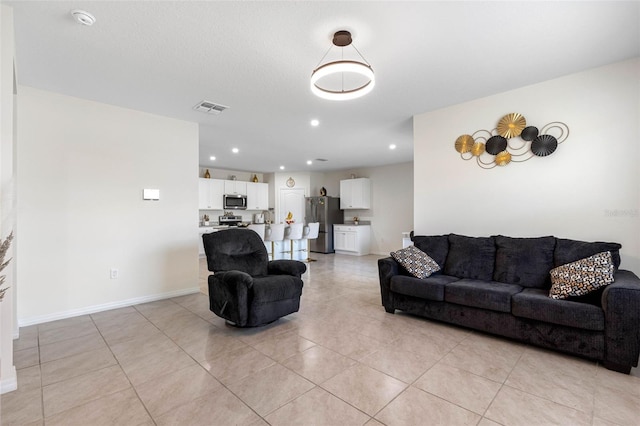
[[325, 210]]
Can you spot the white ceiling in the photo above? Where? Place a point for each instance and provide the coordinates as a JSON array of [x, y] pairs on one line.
[[163, 57]]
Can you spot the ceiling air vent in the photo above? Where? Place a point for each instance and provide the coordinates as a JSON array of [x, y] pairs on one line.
[[210, 107], [321, 159]]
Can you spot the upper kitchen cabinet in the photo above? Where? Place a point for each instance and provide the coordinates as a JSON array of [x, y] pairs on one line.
[[257, 196], [355, 193], [210, 194], [235, 187]]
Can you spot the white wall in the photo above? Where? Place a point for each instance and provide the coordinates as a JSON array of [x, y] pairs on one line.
[[391, 211], [82, 167], [8, 380], [589, 189]]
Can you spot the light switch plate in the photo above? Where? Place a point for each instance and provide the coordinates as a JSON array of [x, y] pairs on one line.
[[151, 194]]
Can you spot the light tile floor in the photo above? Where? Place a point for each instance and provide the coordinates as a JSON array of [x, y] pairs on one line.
[[341, 360]]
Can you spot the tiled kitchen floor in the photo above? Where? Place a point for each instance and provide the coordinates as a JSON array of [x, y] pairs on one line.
[[341, 360]]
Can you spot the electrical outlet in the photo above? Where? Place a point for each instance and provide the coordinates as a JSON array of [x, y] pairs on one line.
[[113, 273]]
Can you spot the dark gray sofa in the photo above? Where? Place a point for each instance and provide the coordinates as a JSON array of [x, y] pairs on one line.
[[500, 285]]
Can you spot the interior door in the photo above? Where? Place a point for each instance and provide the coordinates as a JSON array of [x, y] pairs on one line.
[[291, 200]]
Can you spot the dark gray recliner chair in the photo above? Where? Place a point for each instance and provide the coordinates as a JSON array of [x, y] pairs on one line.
[[246, 288]]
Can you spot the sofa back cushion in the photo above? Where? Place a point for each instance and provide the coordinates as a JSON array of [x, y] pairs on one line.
[[470, 257], [436, 246], [524, 261], [568, 251]]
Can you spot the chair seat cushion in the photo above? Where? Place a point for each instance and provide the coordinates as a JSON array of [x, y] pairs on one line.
[[481, 294], [272, 288], [534, 303], [431, 288]]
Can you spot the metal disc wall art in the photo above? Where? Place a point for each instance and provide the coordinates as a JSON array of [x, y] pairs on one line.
[[529, 133], [511, 125], [496, 144], [497, 147], [478, 149], [464, 143], [503, 158], [544, 145]]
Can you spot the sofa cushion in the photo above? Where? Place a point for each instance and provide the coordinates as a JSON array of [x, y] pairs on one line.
[[481, 294], [524, 261], [581, 277], [534, 303], [568, 251], [431, 288], [436, 246], [415, 261], [470, 257]]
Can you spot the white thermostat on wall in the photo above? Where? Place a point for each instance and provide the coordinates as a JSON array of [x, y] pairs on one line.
[[151, 194]]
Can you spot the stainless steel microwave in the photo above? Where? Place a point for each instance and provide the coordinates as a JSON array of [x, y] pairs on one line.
[[235, 202]]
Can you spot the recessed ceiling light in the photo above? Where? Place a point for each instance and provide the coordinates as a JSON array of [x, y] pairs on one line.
[[392, 146], [82, 17], [212, 158], [309, 162], [235, 150], [315, 122], [281, 167]]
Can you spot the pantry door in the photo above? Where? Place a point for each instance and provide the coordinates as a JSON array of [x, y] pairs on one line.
[[291, 200]]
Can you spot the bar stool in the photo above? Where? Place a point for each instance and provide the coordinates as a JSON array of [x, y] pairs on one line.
[[294, 232], [312, 231], [274, 234], [259, 228]]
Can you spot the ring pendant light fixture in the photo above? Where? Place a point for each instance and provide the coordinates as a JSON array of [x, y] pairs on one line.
[[362, 69]]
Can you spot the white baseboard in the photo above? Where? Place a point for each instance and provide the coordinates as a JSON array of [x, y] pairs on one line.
[[23, 322], [8, 384]]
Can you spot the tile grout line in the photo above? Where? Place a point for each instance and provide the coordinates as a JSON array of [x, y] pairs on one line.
[[199, 365], [125, 374]]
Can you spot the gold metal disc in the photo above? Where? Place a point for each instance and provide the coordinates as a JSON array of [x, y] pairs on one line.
[[511, 125], [503, 158], [477, 149], [464, 143]]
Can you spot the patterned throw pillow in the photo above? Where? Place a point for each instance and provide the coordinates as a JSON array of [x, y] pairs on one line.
[[416, 262], [582, 276]]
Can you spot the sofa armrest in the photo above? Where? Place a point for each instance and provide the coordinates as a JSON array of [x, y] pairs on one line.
[[621, 305], [387, 268], [286, 267], [229, 295]]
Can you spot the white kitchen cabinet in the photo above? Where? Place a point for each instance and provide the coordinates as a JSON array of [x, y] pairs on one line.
[[257, 196], [355, 193], [210, 193], [203, 230], [352, 239], [235, 187]]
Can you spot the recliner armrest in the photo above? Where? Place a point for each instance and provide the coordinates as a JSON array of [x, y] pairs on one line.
[[229, 295], [234, 278], [286, 267]]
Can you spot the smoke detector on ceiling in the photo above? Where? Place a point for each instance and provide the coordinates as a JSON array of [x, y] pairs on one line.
[[83, 17], [210, 107]]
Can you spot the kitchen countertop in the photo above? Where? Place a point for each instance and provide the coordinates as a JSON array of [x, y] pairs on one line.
[[214, 226]]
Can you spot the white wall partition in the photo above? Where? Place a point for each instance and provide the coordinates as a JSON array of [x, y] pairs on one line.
[[82, 166], [391, 211], [589, 189], [8, 379]]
